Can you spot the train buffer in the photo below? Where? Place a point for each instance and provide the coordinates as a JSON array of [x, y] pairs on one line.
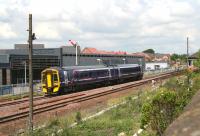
[[188, 123]]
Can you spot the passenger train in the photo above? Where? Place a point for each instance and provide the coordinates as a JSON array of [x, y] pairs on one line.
[[56, 80]]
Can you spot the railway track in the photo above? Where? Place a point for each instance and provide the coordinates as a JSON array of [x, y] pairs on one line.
[[9, 103], [64, 102]]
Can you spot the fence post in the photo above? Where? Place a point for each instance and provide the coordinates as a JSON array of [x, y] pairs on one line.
[[0, 91]]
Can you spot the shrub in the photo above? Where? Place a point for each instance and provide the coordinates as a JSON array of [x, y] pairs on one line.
[[169, 102], [160, 112], [78, 117]]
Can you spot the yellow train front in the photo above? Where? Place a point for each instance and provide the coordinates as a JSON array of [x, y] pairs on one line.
[[50, 81]]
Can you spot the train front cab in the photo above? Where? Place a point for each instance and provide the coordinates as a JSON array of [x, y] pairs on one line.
[[50, 81]]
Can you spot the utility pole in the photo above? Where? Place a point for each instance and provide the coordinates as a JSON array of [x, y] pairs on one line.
[[187, 52], [25, 72], [30, 41], [76, 54], [188, 76]]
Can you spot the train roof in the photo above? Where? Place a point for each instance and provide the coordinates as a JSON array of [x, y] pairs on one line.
[[98, 66], [93, 67], [128, 65], [83, 67]]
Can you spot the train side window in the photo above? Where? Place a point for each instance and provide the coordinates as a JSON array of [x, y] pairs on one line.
[[101, 74], [93, 74], [80, 75], [112, 72], [55, 77], [65, 76], [97, 73], [104, 73], [87, 74], [84, 74], [90, 74]]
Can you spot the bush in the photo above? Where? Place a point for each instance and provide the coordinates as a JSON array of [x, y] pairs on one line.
[[169, 102], [160, 112], [78, 117]]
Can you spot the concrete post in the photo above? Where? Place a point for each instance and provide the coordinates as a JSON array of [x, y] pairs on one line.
[[30, 40], [1, 77], [8, 80]]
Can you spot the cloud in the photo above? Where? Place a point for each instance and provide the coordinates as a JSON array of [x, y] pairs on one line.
[[131, 25], [47, 31], [181, 9], [6, 31]]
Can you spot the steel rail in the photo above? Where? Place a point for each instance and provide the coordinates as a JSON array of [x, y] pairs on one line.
[[14, 102], [66, 102]]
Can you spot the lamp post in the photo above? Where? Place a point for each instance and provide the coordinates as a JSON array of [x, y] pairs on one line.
[[75, 44], [25, 72], [124, 60], [187, 52], [76, 54], [99, 60]]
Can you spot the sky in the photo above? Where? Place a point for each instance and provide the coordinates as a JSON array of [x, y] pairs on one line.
[[114, 25]]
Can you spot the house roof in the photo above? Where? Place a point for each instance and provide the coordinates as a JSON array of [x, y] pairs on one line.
[[159, 55], [153, 57], [88, 50], [194, 56], [145, 55]]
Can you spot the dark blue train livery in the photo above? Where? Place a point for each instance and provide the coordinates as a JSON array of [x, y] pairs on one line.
[[67, 79]]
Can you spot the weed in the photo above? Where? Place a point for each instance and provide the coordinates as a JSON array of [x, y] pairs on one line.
[[168, 103], [78, 117]]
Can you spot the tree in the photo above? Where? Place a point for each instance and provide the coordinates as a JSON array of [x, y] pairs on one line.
[[181, 58], [174, 57], [149, 51], [197, 62]]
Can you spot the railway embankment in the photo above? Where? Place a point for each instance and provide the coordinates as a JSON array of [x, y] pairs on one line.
[[167, 99], [188, 124], [168, 104]]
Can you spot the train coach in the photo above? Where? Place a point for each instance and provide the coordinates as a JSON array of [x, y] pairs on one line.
[[56, 80]]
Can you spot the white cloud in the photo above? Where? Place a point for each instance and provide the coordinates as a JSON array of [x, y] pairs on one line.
[[3, 12], [181, 9], [69, 27], [157, 12], [46, 30], [6, 31], [131, 25]]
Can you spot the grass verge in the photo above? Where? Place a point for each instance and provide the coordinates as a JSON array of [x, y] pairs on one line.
[[166, 102]]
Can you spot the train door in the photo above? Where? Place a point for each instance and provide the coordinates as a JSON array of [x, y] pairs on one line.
[[49, 80], [55, 79]]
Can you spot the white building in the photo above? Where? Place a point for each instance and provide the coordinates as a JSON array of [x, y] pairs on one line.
[[156, 65]]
